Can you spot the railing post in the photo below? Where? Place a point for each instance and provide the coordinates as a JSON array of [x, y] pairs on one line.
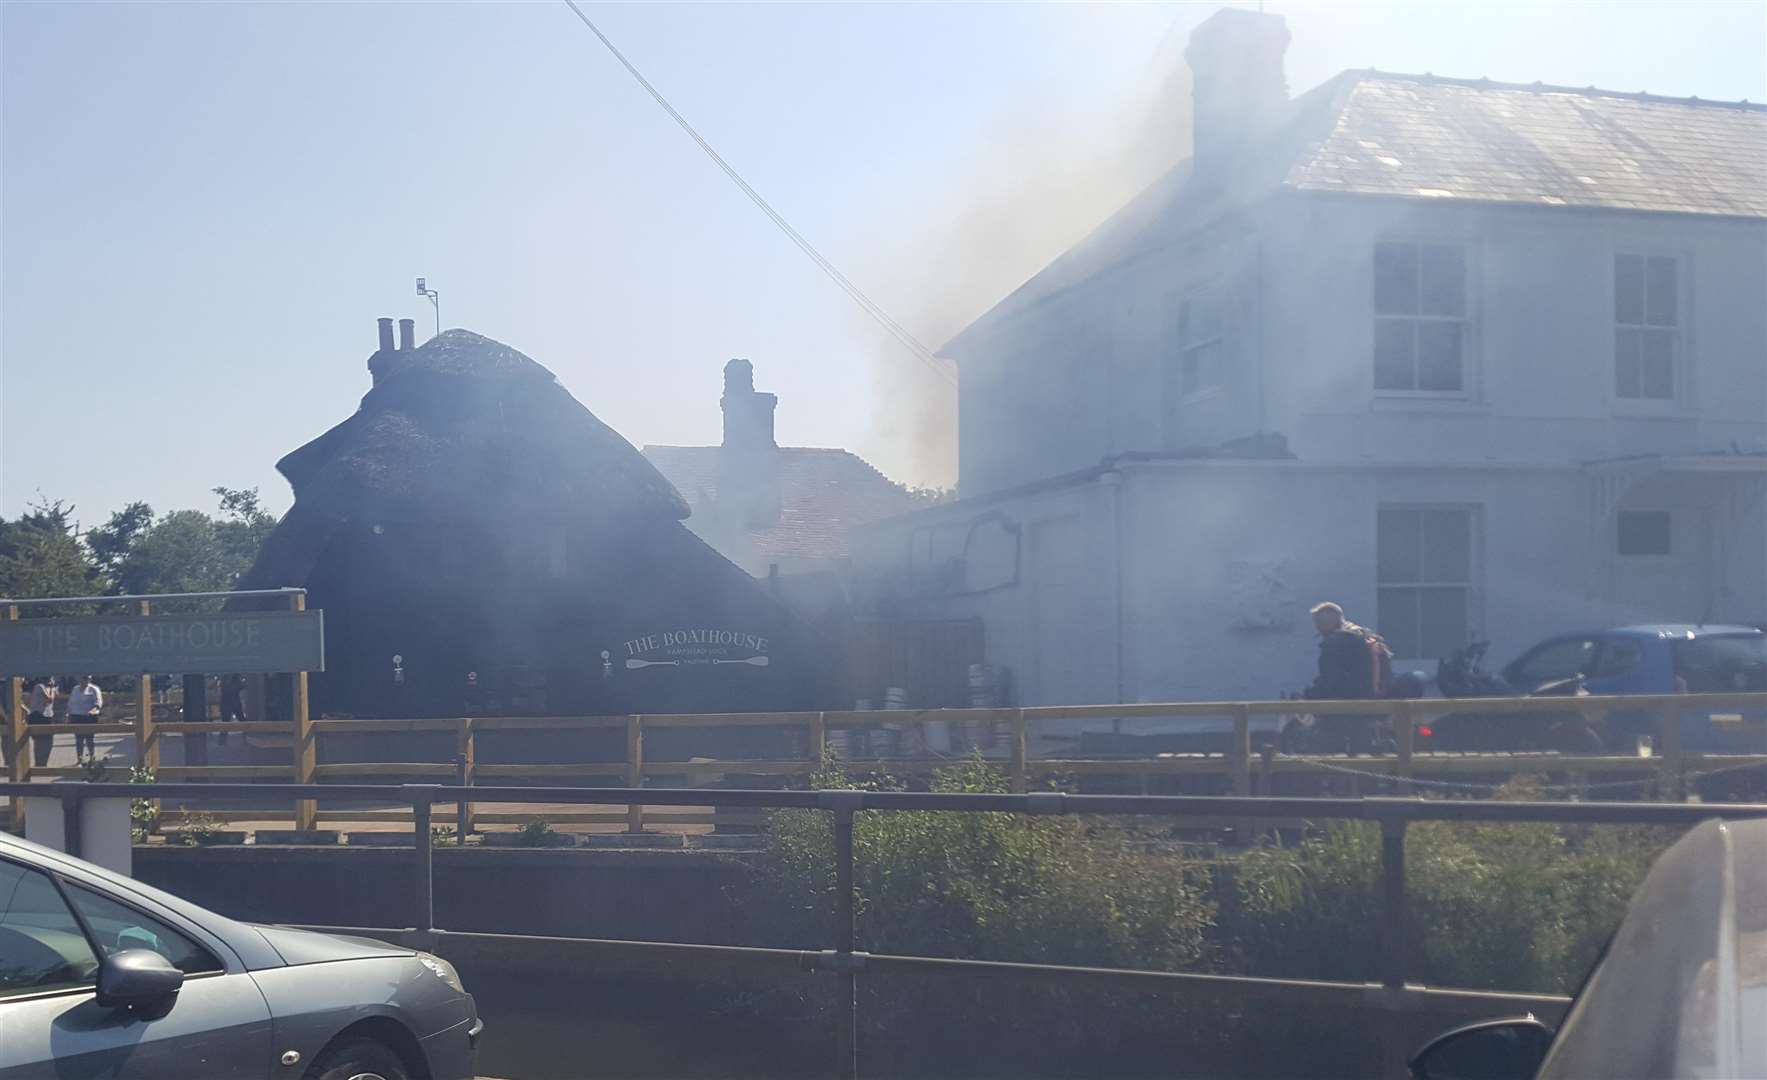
[[466, 762], [1669, 735], [19, 770], [1240, 762], [1016, 748], [1405, 734], [847, 1022], [634, 770], [819, 741], [424, 915], [306, 756], [1393, 948], [147, 737]]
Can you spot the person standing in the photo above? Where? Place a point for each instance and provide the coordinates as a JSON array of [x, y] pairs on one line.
[[1353, 666], [84, 703], [40, 710]]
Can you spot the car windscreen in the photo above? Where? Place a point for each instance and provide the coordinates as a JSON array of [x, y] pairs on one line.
[[1723, 663]]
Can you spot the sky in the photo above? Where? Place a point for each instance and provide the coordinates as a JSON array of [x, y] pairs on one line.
[[204, 207]]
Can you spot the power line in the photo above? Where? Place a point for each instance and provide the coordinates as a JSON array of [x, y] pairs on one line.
[[896, 329]]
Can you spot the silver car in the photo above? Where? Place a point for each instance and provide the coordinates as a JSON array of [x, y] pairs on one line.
[[102, 976], [1681, 992]]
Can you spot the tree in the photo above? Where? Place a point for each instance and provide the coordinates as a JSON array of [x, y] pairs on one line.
[[187, 550], [110, 542], [39, 555]]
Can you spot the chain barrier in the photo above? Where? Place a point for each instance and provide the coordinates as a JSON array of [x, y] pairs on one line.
[[1463, 785]]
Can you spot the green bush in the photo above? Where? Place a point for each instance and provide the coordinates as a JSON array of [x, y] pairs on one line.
[[1522, 907], [989, 886]]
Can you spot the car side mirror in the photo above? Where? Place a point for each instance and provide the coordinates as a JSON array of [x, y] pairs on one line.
[[137, 979], [1493, 1050]]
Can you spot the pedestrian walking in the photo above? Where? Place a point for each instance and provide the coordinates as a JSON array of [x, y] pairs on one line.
[[84, 703], [232, 701], [40, 711], [1354, 665]]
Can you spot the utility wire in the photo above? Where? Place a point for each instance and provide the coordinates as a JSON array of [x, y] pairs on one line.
[[895, 329]]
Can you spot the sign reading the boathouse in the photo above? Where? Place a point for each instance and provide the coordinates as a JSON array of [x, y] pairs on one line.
[[218, 644], [693, 648]]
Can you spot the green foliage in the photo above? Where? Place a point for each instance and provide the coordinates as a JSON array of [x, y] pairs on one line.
[[991, 886], [185, 550], [1493, 906], [110, 542], [536, 833], [143, 818], [39, 555]]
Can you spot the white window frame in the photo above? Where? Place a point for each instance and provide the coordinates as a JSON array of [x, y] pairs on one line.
[[1620, 512], [1680, 361], [1210, 380], [1465, 320], [1475, 564]]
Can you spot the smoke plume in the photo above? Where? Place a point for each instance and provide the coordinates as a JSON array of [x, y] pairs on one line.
[[1045, 177]]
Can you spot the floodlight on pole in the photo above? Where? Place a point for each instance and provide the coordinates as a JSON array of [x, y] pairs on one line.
[[435, 299]]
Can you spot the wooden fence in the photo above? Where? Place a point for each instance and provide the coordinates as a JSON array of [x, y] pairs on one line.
[[1243, 772]]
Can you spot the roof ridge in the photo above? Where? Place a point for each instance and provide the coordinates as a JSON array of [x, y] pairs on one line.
[[1486, 83]]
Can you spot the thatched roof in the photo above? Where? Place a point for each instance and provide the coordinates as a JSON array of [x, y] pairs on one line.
[[463, 428], [467, 425]]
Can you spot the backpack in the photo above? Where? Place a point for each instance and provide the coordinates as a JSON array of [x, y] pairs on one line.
[[1380, 658]]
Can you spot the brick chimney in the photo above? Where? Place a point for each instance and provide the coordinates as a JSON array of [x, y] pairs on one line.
[[1238, 89], [381, 362], [748, 416], [407, 335]]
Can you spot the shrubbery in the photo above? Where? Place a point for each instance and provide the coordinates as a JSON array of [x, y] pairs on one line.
[[1511, 907]]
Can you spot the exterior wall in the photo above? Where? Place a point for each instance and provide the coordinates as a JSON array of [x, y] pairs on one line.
[[1540, 334], [1220, 560]]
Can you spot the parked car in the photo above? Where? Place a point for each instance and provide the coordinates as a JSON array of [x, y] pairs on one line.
[[1662, 658], [1681, 990], [102, 976]]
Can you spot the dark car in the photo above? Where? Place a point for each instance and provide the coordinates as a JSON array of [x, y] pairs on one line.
[[1660, 658], [101, 976], [1681, 991]]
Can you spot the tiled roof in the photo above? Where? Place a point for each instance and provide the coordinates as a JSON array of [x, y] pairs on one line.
[[823, 493], [1421, 137], [1424, 137]]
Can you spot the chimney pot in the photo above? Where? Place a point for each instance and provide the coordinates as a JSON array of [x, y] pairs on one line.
[[748, 415], [1238, 90], [386, 335], [407, 335]]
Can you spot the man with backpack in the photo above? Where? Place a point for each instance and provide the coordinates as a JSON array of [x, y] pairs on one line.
[[1354, 664]]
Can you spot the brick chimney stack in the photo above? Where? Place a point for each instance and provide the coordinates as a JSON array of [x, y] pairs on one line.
[[379, 363], [748, 415], [1238, 89]]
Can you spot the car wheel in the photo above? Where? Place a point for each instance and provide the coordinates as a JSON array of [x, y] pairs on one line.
[[365, 1060]]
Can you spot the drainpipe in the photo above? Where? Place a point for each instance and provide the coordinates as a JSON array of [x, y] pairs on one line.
[[1113, 486], [1258, 316]]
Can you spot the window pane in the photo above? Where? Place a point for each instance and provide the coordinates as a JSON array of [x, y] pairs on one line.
[[41, 945], [1628, 289], [1617, 657], [1395, 279], [1656, 364], [1644, 532], [1189, 375], [1557, 660], [1627, 383], [118, 928], [1443, 281], [1441, 621], [1438, 356], [1447, 546], [1205, 318], [1395, 341], [1397, 611], [1660, 292], [1398, 544]]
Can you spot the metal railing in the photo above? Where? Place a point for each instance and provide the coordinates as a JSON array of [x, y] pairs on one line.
[[1388, 1001], [1241, 770]]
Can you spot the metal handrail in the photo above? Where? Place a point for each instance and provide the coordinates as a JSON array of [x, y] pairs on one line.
[[1393, 998], [50, 601]]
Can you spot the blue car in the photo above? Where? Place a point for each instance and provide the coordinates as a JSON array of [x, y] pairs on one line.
[[1660, 658]]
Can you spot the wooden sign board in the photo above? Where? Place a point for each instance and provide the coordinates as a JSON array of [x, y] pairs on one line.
[[217, 644]]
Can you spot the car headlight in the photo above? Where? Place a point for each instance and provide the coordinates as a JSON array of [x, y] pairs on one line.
[[442, 970]]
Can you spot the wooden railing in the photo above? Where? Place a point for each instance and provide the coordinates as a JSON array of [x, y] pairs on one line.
[[1246, 772]]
